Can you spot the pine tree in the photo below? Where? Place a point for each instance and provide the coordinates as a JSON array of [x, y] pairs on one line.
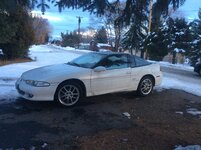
[[157, 42], [101, 36], [70, 39], [134, 37], [195, 51], [133, 9], [43, 5], [179, 33], [19, 43]]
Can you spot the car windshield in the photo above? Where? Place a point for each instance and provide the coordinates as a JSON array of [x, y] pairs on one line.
[[87, 60]]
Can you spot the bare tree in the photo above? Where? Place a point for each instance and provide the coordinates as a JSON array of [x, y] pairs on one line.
[[42, 30]]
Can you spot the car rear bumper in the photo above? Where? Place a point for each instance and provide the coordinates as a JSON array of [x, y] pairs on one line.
[[158, 79]]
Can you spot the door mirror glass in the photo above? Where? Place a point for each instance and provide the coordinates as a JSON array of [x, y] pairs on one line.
[[99, 69]]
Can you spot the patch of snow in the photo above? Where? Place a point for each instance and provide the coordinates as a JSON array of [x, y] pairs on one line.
[[103, 44], [179, 50], [184, 66], [190, 147], [179, 33], [44, 145], [8, 94], [179, 112], [172, 82], [70, 49], [195, 41], [193, 111], [126, 114]]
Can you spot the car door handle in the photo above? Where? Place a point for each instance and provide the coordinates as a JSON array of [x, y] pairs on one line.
[[128, 72]]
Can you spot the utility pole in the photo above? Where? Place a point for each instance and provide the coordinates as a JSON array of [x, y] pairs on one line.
[[79, 22], [150, 21]]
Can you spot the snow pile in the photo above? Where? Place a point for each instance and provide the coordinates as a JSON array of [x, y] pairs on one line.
[[184, 66], [71, 49], [190, 147], [176, 83]]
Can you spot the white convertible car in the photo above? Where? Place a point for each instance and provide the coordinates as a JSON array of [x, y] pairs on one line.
[[88, 75]]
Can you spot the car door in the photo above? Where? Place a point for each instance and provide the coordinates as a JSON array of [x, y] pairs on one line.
[[115, 78]]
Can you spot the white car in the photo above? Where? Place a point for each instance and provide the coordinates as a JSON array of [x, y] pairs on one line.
[[89, 75]]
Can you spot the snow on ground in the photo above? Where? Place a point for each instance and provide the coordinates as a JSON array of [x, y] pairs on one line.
[[190, 147], [184, 66], [43, 55], [193, 111], [51, 54], [171, 81]]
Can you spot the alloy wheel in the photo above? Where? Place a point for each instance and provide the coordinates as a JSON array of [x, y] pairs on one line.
[[146, 86], [68, 95]]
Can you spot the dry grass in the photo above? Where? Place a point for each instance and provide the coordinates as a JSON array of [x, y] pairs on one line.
[[18, 60]]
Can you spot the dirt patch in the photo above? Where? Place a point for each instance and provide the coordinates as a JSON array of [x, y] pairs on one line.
[[158, 125], [19, 60]]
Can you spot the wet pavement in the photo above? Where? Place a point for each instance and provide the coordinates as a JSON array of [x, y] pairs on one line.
[[47, 125], [26, 124]]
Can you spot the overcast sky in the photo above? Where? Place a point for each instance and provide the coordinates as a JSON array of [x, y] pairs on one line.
[[67, 20]]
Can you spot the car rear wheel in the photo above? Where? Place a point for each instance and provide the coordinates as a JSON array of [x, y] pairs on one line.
[[145, 86], [68, 94]]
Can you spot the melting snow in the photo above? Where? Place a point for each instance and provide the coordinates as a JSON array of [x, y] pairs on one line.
[[190, 147], [193, 111]]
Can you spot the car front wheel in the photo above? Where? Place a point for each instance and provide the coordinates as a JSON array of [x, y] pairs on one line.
[[68, 94], [145, 86]]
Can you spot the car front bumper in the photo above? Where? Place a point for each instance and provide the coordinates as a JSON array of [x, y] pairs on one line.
[[35, 93]]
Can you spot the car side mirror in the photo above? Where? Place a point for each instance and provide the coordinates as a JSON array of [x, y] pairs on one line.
[[99, 69]]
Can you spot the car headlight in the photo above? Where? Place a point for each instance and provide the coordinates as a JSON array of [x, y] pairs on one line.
[[37, 83]]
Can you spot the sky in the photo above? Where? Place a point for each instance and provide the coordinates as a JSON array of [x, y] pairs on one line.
[[68, 21]]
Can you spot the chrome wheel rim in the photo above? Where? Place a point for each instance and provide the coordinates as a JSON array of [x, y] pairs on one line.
[[146, 86], [68, 95]]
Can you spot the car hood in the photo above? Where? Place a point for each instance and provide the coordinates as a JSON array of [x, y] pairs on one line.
[[53, 72]]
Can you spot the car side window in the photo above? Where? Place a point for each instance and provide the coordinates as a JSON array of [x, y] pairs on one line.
[[140, 62], [115, 62]]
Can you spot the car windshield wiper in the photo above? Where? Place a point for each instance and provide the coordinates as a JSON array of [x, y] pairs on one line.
[[74, 64]]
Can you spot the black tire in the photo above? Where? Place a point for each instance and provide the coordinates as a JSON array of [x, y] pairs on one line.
[[145, 86], [68, 94]]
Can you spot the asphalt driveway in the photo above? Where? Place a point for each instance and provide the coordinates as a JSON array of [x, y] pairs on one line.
[[159, 121]]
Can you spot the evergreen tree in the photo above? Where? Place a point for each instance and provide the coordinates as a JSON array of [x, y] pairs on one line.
[[156, 43], [195, 51], [130, 11], [70, 39], [19, 43], [8, 28], [134, 37], [43, 5], [101, 36], [180, 37]]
